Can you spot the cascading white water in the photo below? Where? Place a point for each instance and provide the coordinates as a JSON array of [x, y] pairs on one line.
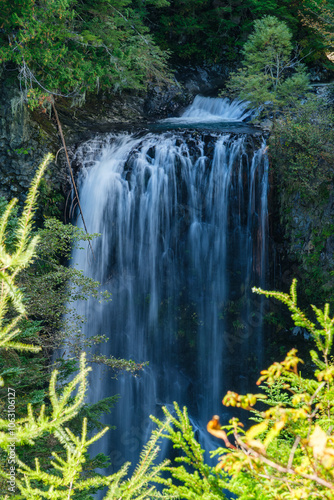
[[183, 238], [214, 109]]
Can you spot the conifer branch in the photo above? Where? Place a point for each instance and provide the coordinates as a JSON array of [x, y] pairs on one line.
[[12, 264]]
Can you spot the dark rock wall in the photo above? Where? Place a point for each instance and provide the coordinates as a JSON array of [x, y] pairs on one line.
[[304, 242], [23, 144], [26, 137]]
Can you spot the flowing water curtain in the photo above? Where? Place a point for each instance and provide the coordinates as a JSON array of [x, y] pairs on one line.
[[181, 218]]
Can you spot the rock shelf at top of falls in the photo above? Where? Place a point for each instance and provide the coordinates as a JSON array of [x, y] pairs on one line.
[[213, 114], [209, 115]]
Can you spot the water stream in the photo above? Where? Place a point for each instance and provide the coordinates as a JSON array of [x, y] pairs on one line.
[[183, 222]]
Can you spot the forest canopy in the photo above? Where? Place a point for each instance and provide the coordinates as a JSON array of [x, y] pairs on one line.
[[215, 31], [69, 48]]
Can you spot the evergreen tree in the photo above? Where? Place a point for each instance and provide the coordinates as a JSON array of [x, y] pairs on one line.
[[270, 71], [11, 263], [215, 31], [65, 47]]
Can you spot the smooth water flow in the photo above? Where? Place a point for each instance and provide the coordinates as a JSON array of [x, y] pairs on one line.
[[183, 223], [213, 109]]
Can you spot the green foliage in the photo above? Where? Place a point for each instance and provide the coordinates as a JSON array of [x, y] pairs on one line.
[[301, 149], [212, 31], [290, 452], [118, 364], [140, 486], [51, 286], [23, 250], [67, 481], [302, 157], [318, 282], [267, 67], [11, 225], [193, 478], [33, 426], [50, 200], [93, 414], [70, 48], [64, 476], [323, 337], [318, 16], [191, 29]]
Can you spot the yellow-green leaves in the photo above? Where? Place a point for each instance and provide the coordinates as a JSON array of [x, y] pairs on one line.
[[12, 263], [288, 367], [289, 453], [234, 399]]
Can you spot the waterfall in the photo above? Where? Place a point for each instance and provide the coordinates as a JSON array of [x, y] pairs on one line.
[[183, 223], [213, 109]]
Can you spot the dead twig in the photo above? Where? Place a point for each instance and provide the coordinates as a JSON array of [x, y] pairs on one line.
[[293, 451], [71, 171], [58, 153], [67, 198], [281, 468]]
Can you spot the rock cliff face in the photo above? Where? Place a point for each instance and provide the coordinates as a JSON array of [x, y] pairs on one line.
[[23, 143], [25, 137], [305, 245]]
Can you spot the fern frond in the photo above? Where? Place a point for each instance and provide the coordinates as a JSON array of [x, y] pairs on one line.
[[11, 265], [4, 220], [25, 221], [13, 292]]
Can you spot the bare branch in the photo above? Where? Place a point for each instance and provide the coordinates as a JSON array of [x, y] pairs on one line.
[[71, 171], [281, 468], [293, 451]]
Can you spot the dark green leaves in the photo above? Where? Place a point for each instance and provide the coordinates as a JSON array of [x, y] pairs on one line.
[[70, 48]]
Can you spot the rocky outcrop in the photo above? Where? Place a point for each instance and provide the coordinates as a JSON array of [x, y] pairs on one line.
[[23, 144], [206, 80], [25, 137], [303, 239]]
